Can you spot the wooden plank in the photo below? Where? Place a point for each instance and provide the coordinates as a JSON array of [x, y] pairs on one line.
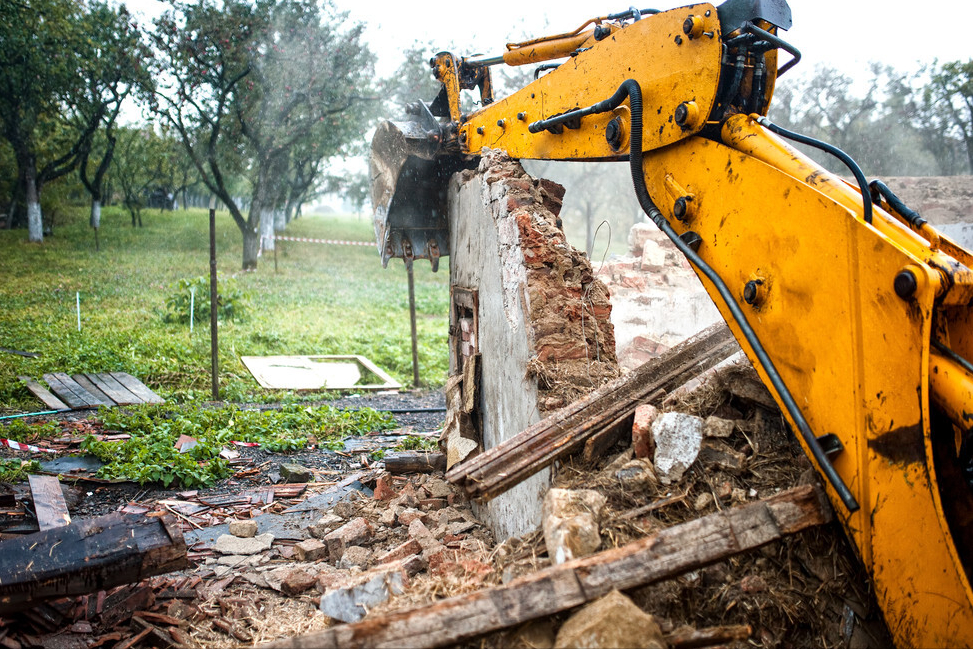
[[43, 394], [137, 388], [69, 392], [565, 431], [665, 554], [92, 389], [414, 462], [115, 390], [49, 505], [87, 556]]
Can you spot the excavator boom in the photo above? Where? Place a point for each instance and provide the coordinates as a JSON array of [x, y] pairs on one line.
[[855, 312]]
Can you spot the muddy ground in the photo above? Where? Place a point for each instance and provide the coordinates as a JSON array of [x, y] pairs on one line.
[[420, 533]]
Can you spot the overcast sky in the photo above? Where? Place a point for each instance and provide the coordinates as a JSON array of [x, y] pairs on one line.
[[845, 34]]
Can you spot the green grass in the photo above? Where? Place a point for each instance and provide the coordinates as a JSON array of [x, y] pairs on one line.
[[323, 299]]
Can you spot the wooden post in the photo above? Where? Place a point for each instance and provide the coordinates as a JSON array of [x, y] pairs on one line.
[[412, 322], [214, 344]]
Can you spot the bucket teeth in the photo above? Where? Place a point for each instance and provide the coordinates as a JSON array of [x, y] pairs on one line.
[[409, 176]]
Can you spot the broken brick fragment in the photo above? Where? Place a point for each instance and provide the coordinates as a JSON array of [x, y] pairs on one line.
[[406, 549], [383, 491], [642, 442], [354, 532], [296, 582], [310, 550]]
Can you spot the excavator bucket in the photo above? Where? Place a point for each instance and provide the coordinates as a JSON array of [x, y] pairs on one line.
[[409, 178]]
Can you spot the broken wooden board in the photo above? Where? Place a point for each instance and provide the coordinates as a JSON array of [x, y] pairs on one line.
[[49, 504], [566, 431], [87, 556], [320, 372], [43, 394], [665, 554], [402, 462], [90, 390]]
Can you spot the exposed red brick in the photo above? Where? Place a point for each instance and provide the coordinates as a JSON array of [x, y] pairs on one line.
[[354, 532], [642, 443], [296, 582], [383, 491], [408, 548]]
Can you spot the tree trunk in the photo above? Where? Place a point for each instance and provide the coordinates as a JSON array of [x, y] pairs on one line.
[[95, 220], [251, 246], [35, 223], [267, 229], [280, 220]]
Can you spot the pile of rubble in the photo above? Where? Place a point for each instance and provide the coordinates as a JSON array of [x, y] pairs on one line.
[[663, 515]]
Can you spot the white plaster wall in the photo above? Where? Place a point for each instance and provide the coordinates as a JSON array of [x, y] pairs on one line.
[[485, 255]]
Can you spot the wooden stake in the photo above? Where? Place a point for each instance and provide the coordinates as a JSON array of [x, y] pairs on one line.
[[214, 344], [412, 323]]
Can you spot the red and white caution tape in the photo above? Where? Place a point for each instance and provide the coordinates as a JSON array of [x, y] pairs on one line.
[[19, 446], [333, 242]]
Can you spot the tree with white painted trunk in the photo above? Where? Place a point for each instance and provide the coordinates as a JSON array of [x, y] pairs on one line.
[[111, 79], [306, 100], [59, 57], [40, 42], [249, 83]]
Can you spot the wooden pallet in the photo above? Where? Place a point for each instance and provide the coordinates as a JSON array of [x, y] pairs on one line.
[[90, 390]]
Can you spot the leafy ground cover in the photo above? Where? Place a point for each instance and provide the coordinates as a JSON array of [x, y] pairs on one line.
[[150, 454], [322, 299]]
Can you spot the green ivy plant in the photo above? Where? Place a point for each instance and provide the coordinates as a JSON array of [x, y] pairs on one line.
[[150, 456], [14, 470], [231, 302]]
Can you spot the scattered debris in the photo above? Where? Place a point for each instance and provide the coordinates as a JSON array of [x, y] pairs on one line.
[[497, 469], [665, 554]]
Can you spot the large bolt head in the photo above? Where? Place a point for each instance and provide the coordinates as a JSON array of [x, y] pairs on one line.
[[905, 284]]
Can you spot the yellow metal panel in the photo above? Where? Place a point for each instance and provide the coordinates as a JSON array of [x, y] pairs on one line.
[[854, 355], [670, 67]]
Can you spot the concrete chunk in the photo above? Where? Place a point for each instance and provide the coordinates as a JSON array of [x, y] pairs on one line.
[[227, 544], [677, 440], [243, 529], [612, 621], [351, 604], [571, 523]]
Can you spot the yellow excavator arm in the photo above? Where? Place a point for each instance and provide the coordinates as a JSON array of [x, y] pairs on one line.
[[855, 312]]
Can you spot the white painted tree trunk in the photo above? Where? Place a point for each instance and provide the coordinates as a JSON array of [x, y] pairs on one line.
[[95, 214], [35, 221], [35, 225], [280, 220], [267, 229]]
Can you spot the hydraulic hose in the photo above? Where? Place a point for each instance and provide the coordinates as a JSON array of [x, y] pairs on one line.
[[881, 190], [631, 89], [836, 152]]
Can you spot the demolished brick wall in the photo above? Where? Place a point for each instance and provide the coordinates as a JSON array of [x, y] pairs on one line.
[[543, 330]]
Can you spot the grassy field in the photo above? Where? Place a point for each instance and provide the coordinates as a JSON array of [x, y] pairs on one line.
[[324, 299]]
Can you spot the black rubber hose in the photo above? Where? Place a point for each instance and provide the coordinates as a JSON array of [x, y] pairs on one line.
[[836, 152], [881, 190], [631, 88]]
